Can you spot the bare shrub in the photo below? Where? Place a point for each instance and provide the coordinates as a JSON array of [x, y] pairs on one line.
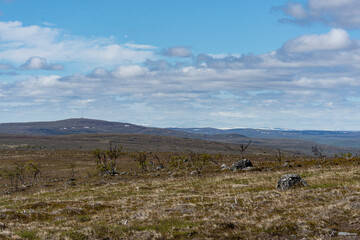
[[318, 152], [21, 175], [243, 147], [107, 160]]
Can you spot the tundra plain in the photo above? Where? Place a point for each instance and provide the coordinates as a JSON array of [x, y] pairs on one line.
[[69, 199]]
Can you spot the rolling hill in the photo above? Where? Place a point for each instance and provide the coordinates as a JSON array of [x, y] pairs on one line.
[[74, 131]]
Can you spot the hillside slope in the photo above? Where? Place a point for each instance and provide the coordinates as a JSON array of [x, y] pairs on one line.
[[294, 143]]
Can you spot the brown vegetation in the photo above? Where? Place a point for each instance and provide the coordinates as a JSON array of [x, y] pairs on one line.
[[162, 200]]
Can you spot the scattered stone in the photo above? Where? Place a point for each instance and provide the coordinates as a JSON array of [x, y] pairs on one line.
[[227, 225], [346, 234], [71, 182], [2, 227], [239, 185], [124, 222], [223, 166], [195, 173], [290, 180], [241, 164], [287, 164], [159, 167]]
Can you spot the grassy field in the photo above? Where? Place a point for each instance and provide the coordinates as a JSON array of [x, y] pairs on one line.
[[172, 203]]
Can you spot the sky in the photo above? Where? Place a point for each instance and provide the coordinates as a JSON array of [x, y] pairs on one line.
[[182, 63]]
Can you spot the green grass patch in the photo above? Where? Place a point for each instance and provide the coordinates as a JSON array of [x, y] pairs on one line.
[[83, 218], [28, 234], [173, 226], [74, 235]]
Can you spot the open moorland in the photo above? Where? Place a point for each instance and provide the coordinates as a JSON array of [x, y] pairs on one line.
[[70, 194]]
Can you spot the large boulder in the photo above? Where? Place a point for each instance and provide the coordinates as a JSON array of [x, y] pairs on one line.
[[241, 164], [290, 180]]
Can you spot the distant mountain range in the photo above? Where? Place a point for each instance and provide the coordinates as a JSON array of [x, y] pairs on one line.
[[293, 141], [335, 138]]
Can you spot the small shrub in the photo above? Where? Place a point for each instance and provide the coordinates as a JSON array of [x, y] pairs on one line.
[[21, 174], [177, 160], [141, 159], [107, 160]]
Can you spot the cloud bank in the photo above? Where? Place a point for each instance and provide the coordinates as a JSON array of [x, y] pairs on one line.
[[308, 81]]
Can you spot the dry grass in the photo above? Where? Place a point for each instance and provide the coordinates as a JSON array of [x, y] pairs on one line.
[[174, 205]]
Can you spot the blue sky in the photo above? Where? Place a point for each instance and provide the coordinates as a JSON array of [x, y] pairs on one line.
[[225, 64]]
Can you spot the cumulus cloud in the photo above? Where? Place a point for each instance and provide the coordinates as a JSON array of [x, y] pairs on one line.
[[178, 51], [18, 43], [190, 95], [336, 39], [297, 82], [38, 63], [159, 65], [335, 13], [131, 71], [99, 72]]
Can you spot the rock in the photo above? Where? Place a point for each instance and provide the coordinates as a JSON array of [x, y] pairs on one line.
[[346, 234], [241, 164], [160, 167], [195, 173], [286, 164], [227, 225], [71, 182], [2, 227], [239, 185], [224, 167], [290, 180]]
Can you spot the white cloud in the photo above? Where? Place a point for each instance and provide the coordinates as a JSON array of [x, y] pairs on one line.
[[18, 43], [335, 13], [183, 52], [296, 10], [130, 71], [336, 39], [296, 82], [139, 46], [38, 63], [99, 72], [41, 86], [330, 4]]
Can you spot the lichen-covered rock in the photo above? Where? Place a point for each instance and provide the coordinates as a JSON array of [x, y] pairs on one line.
[[241, 164], [224, 167], [195, 173], [290, 180]]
